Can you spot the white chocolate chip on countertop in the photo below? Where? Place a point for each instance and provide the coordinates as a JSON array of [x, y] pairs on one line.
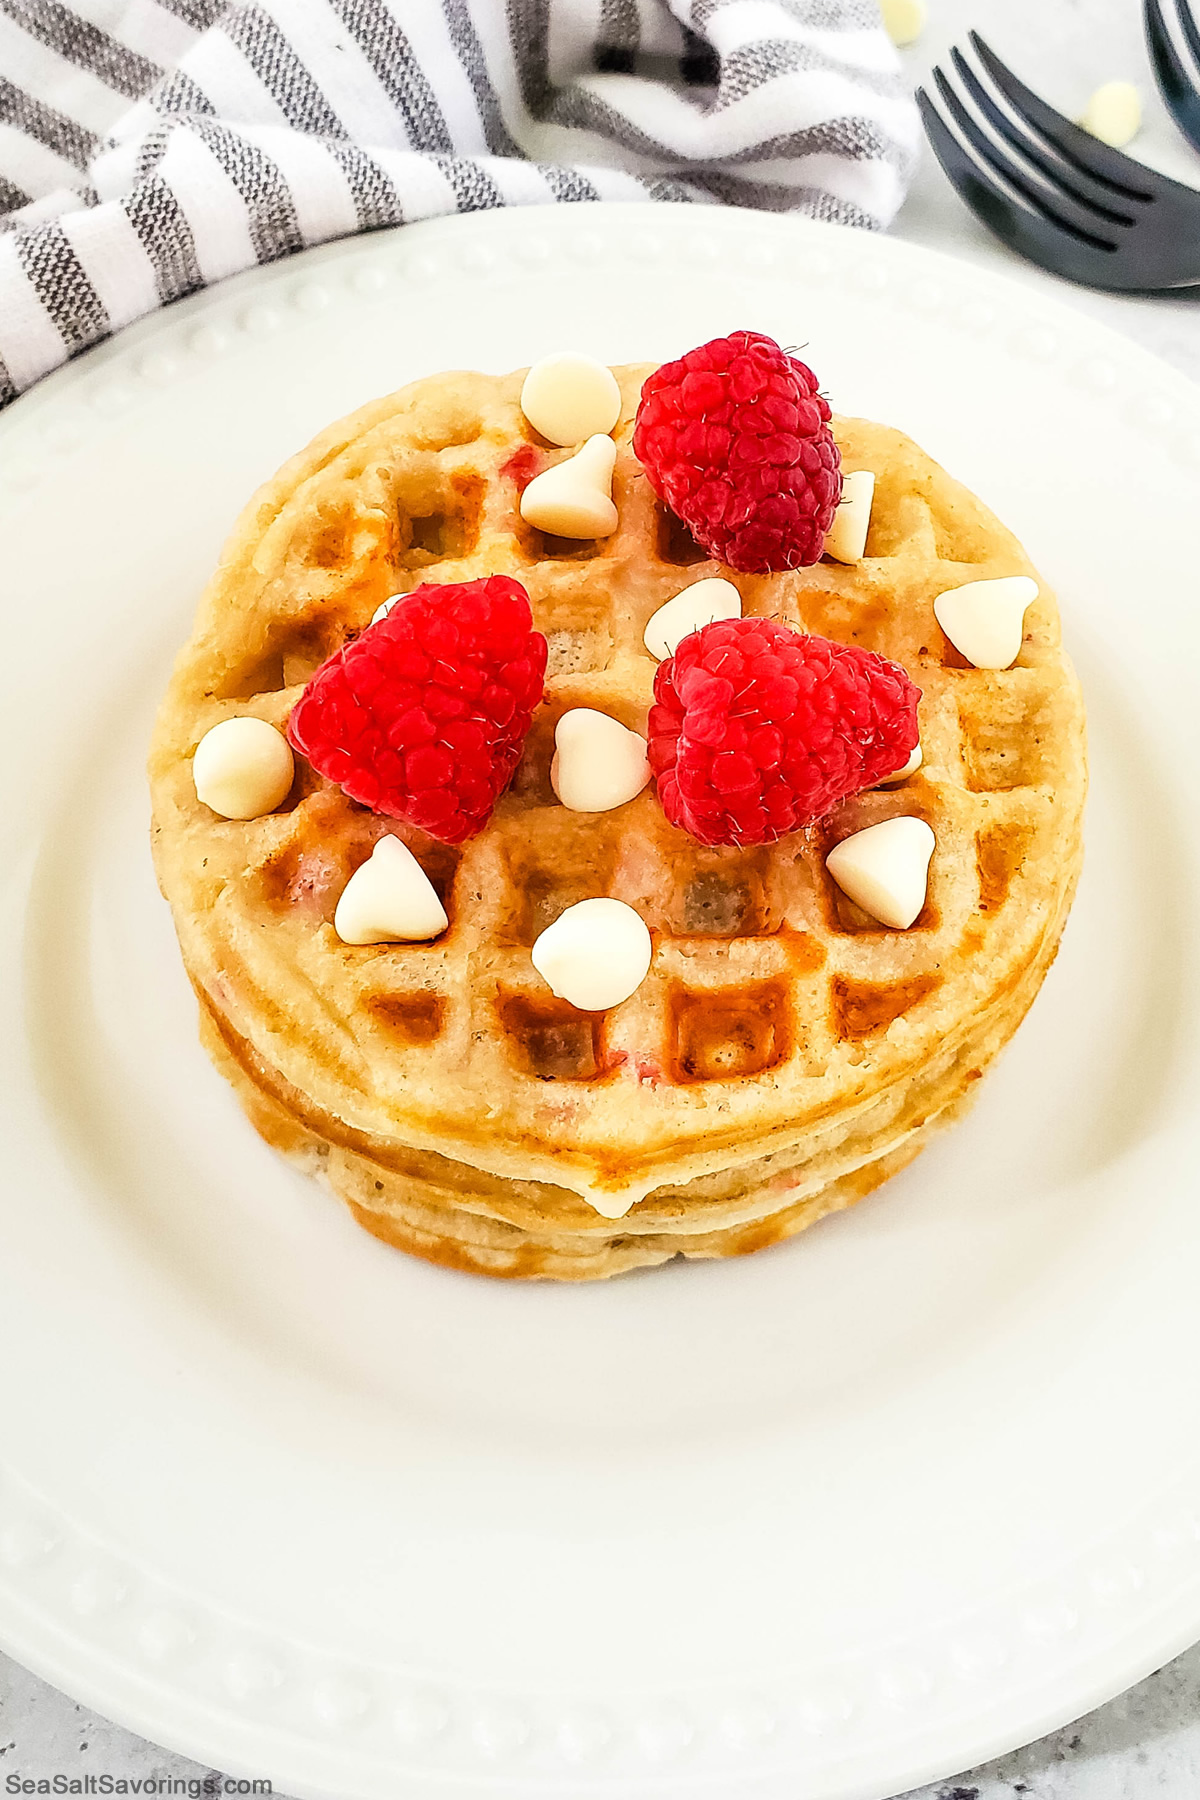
[[596, 954], [904, 20], [242, 768], [846, 538], [569, 397], [985, 620], [702, 603], [598, 762], [389, 899], [1114, 114], [885, 869], [574, 498], [910, 768]]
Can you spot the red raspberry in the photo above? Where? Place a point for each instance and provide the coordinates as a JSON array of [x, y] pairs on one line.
[[423, 717], [735, 439], [759, 729]]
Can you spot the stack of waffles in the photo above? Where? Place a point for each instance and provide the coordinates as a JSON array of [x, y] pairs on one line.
[[786, 1052]]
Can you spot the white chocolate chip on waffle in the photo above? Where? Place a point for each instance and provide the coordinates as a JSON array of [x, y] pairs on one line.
[[242, 768], [984, 620], [910, 768], [574, 498], [596, 954], [389, 899], [568, 397], [846, 539], [598, 762], [885, 869], [706, 600]]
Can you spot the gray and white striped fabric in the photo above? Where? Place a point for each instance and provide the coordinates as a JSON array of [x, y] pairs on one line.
[[150, 147]]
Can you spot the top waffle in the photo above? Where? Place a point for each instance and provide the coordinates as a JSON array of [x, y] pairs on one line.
[[773, 1007]]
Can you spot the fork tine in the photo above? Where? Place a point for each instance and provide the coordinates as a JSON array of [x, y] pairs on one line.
[[1030, 234], [1054, 206], [1129, 178], [1191, 30], [1100, 201], [1174, 78], [981, 194]]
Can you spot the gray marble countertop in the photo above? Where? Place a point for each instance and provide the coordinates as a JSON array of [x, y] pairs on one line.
[[1146, 1742]]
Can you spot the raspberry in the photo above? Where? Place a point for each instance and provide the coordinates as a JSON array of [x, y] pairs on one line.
[[735, 439], [759, 729], [423, 717]]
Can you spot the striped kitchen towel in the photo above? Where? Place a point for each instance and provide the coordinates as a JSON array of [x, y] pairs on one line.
[[149, 147]]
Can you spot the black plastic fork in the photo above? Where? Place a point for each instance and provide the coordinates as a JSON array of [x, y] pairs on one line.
[[1052, 191], [1177, 81]]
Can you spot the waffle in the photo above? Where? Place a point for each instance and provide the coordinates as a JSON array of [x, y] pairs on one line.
[[786, 1053]]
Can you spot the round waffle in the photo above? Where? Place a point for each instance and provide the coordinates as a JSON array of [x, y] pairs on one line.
[[786, 1053]]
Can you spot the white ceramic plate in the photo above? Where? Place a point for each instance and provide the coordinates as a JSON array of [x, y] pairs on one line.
[[828, 1521]]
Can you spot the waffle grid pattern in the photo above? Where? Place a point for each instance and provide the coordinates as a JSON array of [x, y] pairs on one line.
[[773, 1006]]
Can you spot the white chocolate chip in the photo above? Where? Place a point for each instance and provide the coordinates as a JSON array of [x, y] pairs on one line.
[[574, 498], [712, 598], [910, 768], [568, 397], [904, 20], [613, 1205], [598, 763], [242, 768], [846, 538], [595, 954], [985, 620], [381, 612], [389, 899], [1114, 113], [885, 869]]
